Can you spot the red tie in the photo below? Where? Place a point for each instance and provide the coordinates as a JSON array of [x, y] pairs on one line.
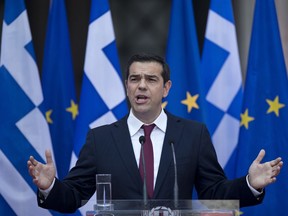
[[149, 160]]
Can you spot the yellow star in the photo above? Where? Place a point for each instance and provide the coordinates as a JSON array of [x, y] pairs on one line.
[[245, 119], [48, 116], [274, 106], [238, 213], [190, 101], [164, 104], [73, 109]]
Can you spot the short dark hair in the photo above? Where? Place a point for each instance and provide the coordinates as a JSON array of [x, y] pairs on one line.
[[145, 57]]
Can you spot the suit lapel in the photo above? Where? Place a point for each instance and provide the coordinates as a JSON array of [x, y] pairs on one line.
[[173, 134], [123, 143]]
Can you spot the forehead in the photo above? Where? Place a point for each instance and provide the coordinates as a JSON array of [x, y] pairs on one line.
[[151, 68]]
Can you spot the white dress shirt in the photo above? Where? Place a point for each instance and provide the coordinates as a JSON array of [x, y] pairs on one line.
[[157, 137]]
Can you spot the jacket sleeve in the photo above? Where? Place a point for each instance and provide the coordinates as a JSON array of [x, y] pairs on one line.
[[211, 182], [78, 186]]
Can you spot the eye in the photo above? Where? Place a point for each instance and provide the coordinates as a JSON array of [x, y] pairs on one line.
[[152, 79], [133, 78]]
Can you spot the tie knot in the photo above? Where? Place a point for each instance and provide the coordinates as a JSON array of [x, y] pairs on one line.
[[148, 129]]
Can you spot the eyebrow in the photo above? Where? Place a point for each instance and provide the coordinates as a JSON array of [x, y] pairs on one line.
[[145, 75]]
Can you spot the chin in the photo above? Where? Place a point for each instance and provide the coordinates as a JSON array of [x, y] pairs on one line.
[[140, 109]]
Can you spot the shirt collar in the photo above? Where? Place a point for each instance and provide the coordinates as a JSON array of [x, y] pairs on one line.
[[135, 124]]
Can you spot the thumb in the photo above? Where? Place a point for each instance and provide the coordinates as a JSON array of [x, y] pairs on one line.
[[48, 157], [260, 156]]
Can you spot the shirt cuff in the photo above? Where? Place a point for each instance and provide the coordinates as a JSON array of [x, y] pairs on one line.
[[46, 192], [255, 192]]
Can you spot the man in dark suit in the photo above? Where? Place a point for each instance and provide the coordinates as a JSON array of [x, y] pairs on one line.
[[115, 149]]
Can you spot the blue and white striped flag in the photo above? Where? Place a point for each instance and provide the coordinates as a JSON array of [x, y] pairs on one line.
[[23, 128], [102, 98], [222, 82]]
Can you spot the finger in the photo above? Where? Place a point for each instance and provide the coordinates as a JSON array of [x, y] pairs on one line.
[[260, 156], [48, 157], [33, 161], [276, 172], [29, 163], [35, 181], [276, 162], [278, 168], [272, 180], [30, 167], [31, 171]]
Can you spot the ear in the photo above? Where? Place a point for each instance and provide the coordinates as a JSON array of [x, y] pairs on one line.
[[167, 87], [126, 86]]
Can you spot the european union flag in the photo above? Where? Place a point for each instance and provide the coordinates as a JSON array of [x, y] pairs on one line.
[[103, 98], [60, 106], [184, 60], [23, 129], [265, 109], [222, 83]]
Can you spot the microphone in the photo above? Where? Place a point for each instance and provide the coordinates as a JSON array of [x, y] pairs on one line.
[[142, 141], [175, 175]]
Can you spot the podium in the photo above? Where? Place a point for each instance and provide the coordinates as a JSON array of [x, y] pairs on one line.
[[167, 208]]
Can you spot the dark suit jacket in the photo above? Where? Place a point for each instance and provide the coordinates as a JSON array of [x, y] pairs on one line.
[[108, 149]]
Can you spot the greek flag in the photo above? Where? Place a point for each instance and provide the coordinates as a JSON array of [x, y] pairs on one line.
[[23, 129], [102, 98], [222, 83]]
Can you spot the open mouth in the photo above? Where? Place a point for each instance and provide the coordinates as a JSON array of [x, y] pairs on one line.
[[141, 98]]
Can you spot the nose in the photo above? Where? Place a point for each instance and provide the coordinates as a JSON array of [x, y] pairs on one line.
[[142, 84]]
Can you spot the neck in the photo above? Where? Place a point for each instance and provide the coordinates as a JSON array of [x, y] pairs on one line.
[[147, 118]]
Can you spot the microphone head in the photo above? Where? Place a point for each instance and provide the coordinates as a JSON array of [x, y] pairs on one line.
[[142, 140]]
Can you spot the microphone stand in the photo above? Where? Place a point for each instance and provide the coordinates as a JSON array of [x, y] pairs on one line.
[[142, 141], [175, 176]]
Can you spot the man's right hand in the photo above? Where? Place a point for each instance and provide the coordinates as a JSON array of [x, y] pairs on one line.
[[42, 174]]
